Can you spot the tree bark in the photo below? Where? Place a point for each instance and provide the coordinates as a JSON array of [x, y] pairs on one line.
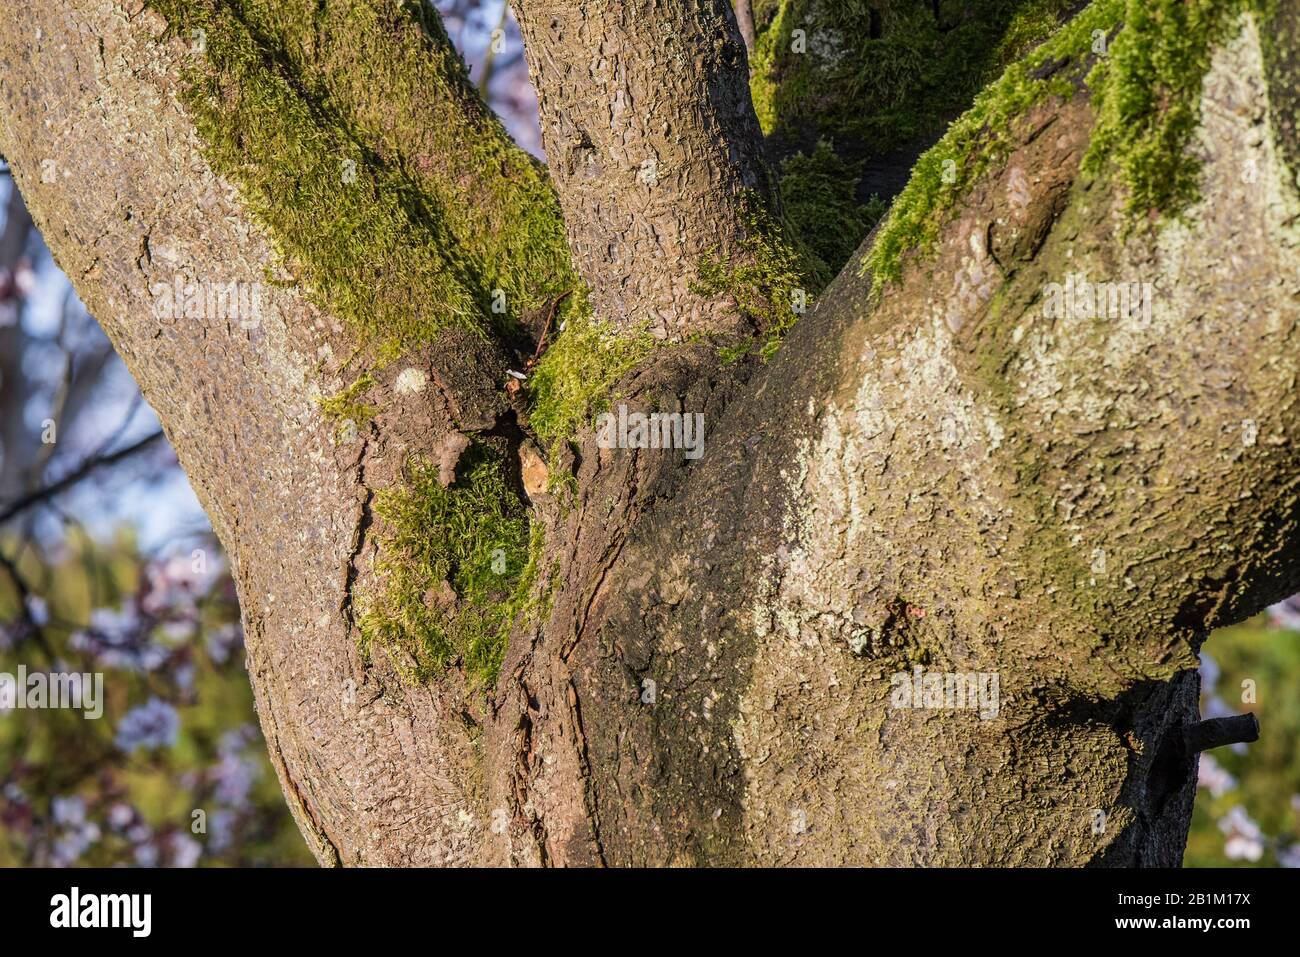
[[654, 147], [933, 472]]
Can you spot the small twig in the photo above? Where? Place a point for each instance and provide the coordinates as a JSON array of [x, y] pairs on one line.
[[136, 401], [34, 629], [550, 317], [13, 508], [485, 81], [1216, 732], [745, 20]]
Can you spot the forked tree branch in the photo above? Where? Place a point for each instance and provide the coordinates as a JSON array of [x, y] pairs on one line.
[[946, 475], [933, 474]]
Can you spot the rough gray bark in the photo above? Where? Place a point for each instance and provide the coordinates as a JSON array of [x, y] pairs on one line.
[[868, 510], [933, 473]]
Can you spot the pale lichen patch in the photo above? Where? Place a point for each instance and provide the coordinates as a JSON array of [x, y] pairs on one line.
[[410, 381]]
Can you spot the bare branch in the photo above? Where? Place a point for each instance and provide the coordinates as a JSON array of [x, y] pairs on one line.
[[654, 148], [34, 630], [745, 20], [83, 471], [1218, 732]]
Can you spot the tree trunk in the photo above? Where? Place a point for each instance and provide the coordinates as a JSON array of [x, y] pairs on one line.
[[948, 467]]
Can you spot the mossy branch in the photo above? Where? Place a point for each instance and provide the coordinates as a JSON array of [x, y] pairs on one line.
[[357, 141], [1145, 61], [1147, 96]]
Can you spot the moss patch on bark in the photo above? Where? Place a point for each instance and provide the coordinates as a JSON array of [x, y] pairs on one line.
[[355, 138], [1147, 96], [347, 406], [456, 567], [981, 137], [771, 281], [1147, 60], [883, 74], [574, 376]]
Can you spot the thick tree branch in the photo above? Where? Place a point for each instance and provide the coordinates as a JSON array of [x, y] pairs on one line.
[[745, 21], [654, 148], [933, 475], [114, 116], [937, 476]]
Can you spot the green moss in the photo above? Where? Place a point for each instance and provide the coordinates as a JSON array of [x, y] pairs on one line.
[[771, 280], [978, 139], [818, 195], [765, 61], [1147, 96], [881, 75], [388, 187], [346, 406], [1031, 24], [572, 380], [457, 566], [356, 139], [1280, 38], [730, 355]]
